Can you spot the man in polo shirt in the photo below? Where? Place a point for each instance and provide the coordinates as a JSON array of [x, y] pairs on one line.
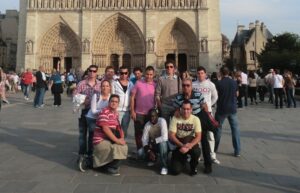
[[198, 104], [227, 108], [141, 101], [168, 86], [88, 87], [185, 133]]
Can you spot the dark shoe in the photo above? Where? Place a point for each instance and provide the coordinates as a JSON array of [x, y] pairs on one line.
[[207, 170], [82, 164], [113, 171], [193, 172]]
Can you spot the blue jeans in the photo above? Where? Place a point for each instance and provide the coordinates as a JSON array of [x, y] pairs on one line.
[[26, 90], [235, 131], [290, 97], [124, 118], [162, 150], [83, 132], [91, 124], [39, 96]]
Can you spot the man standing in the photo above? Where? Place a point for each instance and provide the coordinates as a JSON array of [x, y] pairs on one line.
[[138, 75], [198, 104], [209, 91], [141, 101], [278, 82], [244, 90], [122, 87], [269, 83], [168, 86], [88, 87], [40, 88], [226, 108], [185, 133]]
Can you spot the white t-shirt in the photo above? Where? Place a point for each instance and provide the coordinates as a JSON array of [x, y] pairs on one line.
[[277, 80], [244, 78]]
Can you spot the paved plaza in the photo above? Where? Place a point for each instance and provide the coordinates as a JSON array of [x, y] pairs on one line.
[[39, 153]]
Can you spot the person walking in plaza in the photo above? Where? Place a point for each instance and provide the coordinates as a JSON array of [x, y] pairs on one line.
[[168, 86], [185, 133], [209, 91], [243, 90], [155, 140], [269, 83], [252, 87], [27, 80], [227, 108], [289, 88], [41, 86], [141, 101], [109, 144], [198, 104], [261, 88], [87, 87], [2, 86], [122, 87], [56, 87], [278, 82]]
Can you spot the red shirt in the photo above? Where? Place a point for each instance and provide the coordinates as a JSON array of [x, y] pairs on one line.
[[106, 118], [27, 78]]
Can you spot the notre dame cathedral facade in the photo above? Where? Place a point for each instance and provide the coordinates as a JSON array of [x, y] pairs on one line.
[[67, 34]]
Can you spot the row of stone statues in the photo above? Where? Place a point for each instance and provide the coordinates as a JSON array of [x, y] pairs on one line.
[[125, 4]]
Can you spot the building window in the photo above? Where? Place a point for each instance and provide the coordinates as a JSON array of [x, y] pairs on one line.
[[252, 55]]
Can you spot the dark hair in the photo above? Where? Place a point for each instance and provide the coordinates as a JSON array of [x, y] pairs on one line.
[[137, 69], [201, 68], [224, 71], [105, 81], [151, 111], [150, 68], [251, 75], [109, 67], [114, 96], [186, 102], [170, 62], [123, 68], [93, 66]]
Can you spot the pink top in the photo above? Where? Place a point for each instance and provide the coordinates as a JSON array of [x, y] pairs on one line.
[[144, 96]]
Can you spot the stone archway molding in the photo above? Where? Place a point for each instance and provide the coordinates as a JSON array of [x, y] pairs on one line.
[[60, 41], [118, 35]]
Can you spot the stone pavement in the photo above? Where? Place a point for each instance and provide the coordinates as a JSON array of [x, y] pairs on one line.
[[39, 153]]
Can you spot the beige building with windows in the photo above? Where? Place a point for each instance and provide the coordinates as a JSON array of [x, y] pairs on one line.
[[247, 44], [9, 32], [68, 34]]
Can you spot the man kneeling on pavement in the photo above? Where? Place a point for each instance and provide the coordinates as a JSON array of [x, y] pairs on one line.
[[185, 133]]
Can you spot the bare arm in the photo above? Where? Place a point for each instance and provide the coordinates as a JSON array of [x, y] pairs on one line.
[[132, 106], [112, 137]]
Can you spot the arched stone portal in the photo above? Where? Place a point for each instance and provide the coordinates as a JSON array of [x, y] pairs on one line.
[[119, 41], [60, 48], [178, 42]]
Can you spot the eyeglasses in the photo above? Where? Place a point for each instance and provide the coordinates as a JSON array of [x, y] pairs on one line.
[[123, 73], [186, 85], [95, 71], [169, 67], [113, 101]]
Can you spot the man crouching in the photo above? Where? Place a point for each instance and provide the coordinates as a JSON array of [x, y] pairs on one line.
[[185, 133]]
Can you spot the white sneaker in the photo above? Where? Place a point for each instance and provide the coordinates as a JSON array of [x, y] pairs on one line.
[[150, 164], [164, 171], [215, 161]]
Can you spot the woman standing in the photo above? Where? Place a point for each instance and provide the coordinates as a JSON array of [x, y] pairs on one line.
[[56, 87], [252, 87], [98, 102], [289, 88], [109, 144]]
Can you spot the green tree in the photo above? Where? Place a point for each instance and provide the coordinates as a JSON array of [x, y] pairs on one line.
[[281, 52]]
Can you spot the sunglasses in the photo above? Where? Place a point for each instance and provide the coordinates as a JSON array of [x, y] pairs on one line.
[[186, 85], [123, 73], [95, 71], [169, 67]]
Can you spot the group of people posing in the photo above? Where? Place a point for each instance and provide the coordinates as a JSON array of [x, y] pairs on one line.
[[170, 115]]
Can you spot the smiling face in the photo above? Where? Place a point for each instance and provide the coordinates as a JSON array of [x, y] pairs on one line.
[[153, 117], [114, 103], [201, 75], [186, 110], [105, 87], [92, 72]]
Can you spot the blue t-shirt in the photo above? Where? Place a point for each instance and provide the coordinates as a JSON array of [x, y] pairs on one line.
[[56, 78], [227, 100]]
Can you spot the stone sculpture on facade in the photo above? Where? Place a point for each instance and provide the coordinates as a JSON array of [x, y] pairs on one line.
[[29, 47]]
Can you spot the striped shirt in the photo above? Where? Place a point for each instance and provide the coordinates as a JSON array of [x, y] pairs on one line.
[[106, 118], [197, 99]]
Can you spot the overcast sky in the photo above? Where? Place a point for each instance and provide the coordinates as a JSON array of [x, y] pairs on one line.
[[278, 15]]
